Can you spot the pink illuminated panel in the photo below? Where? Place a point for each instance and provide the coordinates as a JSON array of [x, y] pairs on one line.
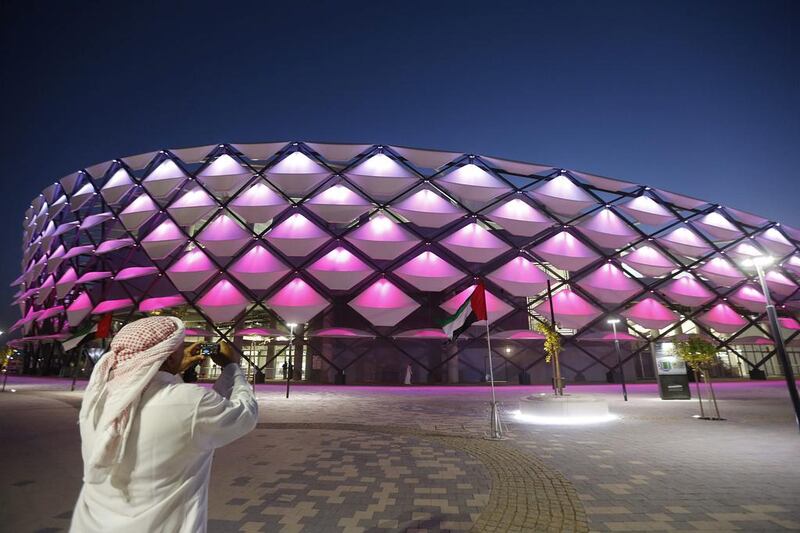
[[258, 268], [561, 195], [382, 238], [718, 226], [297, 236], [648, 211], [651, 314], [224, 174], [164, 179], [191, 206], [608, 230], [381, 176], [750, 298], [429, 272], [383, 304], [427, 209], [163, 302], [685, 242], [474, 243], [297, 302], [520, 277], [259, 203], [470, 183], [297, 174], [192, 270], [223, 302], [721, 271], [339, 269], [686, 290], [609, 284], [163, 240], [566, 252], [338, 204], [519, 218], [723, 318], [571, 311], [649, 261], [138, 212], [223, 236]]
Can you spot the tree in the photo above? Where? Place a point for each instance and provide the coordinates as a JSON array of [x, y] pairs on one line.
[[701, 355], [552, 347]]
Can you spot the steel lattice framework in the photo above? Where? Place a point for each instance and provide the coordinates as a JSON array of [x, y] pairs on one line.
[[384, 239]]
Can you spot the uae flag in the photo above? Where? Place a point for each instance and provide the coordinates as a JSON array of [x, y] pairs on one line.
[[471, 311]]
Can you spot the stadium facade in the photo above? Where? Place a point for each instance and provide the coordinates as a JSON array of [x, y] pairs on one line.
[[363, 249]]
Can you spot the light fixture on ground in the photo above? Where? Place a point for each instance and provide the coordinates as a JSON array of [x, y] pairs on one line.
[[759, 263], [614, 322], [567, 410]]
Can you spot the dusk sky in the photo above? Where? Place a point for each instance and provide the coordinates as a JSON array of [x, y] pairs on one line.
[[697, 97]]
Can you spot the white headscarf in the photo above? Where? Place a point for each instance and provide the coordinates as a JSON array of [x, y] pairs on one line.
[[115, 388]]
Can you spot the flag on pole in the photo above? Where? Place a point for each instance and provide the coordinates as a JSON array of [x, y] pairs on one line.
[[104, 327], [472, 310]]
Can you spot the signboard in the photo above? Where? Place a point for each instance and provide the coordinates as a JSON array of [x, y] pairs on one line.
[[673, 383]]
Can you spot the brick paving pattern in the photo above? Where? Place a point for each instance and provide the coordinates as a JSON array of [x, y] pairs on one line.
[[413, 459]]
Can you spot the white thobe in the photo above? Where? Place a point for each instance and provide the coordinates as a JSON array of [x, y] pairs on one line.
[[161, 484]]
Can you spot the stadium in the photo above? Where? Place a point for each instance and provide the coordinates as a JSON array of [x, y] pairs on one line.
[[344, 259]]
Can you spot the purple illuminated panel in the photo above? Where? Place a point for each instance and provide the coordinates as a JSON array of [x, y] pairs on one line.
[[571, 311], [223, 236], [109, 306], [780, 283], [651, 314], [723, 318], [135, 272], [609, 284], [427, 209], [223, 302], [565, 252], [191, 206], [472, 184], [79, 309], [561, 195], [297, 174], [519, 218], [117, 186], [338, 205], [608, 230], [718, 226], [383, 304], [297, 236], [138, 212], [685, 242], [258, 268], [382, 177], [191, 271], [224, 174], [750, 298], [163, 302], [473, 243], [297, 302], [259, 203], [164, 179], [647, 211], [686, 290], [774, 241], [429, 272], [520, 277], [339, 269], [649, 261], [163, 240], [721, 271], [382, 238]]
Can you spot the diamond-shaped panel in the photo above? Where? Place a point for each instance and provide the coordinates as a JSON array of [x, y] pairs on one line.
[[382, 238], [429, 272], [297, 302], [223, 236], [191, 271], [520, 277], [609, 284], [383, 304], [258, 268], [163, 240], [339, 269], [258, 203], [338, 204], [474, 243], [191, 206], [565, 252], [561, 195], [224, 174], [297, 174], [297, 236], [519, 218], [164, 179], [473, 185], [427, 209], [381, 177], [223, 302], [495, 307], [117, 186]]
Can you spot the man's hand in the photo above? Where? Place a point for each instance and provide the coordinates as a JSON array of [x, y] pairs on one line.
[[226, 355], [191, 357]]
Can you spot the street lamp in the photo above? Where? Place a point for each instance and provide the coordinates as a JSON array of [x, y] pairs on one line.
[[760, 263], [614, 322], [290, 351]]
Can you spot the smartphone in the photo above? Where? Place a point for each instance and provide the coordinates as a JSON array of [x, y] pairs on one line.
[[209, 349]]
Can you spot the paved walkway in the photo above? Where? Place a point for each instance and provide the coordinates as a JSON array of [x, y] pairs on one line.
[[412, 459]]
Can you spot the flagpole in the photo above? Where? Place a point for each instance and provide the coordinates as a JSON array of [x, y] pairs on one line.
[[494, 421]]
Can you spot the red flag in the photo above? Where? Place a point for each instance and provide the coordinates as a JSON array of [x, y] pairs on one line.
[[478, 301], [104, 327]]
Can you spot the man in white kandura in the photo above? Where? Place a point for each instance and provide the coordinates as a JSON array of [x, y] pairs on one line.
[[148, 438]]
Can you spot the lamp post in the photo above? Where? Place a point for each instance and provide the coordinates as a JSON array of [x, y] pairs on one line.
[[614, 322], [289, 365], [760, 263]]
